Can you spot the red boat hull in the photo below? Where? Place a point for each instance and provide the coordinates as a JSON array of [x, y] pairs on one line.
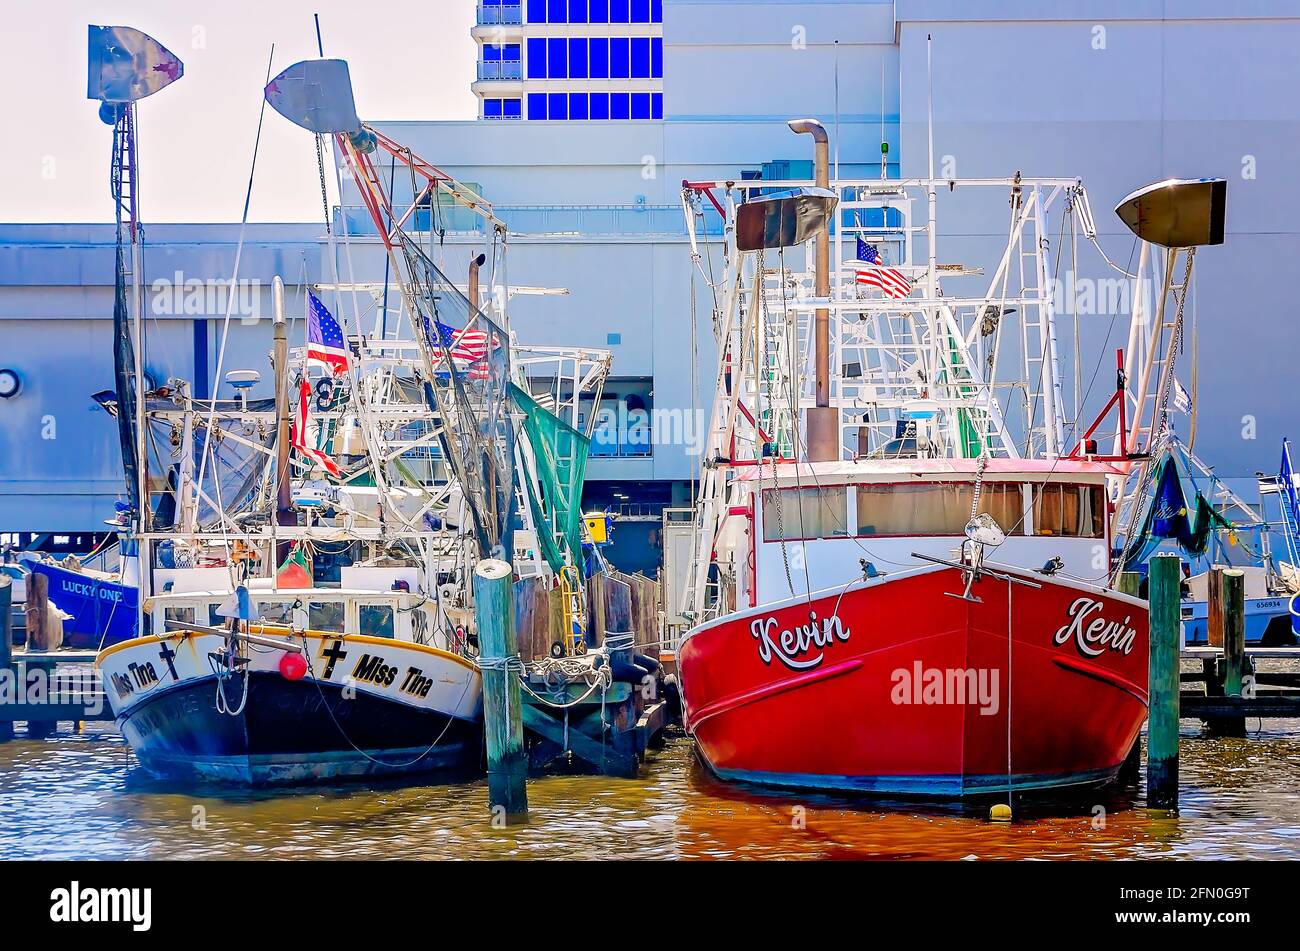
[[895, 686]]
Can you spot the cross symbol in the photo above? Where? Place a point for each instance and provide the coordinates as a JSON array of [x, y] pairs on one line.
[[167, 654], [335, 654]]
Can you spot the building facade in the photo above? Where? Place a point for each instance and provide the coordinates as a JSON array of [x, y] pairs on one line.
[[1118, 93], [570, 60]]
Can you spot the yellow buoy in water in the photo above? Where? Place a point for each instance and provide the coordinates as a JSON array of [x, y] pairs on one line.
[[1000, 813]]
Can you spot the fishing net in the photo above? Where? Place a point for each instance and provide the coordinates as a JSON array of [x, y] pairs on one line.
[[560, 455]]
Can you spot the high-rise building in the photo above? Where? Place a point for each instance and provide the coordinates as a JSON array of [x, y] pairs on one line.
[[570, 60]]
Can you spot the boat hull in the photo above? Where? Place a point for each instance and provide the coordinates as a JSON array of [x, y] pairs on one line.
[[367, 707], [101, 611], [897, 687]]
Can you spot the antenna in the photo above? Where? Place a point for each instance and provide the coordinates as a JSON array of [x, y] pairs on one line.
[[320, 49], [884, 142]]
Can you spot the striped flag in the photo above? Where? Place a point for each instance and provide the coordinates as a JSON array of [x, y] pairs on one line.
[[300, 432], [875, 273], [467, 348], [325, 345]]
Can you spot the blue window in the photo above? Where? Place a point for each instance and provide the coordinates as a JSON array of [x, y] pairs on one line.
[[536, 58], [640, 105], [557, 105], [656, 11], [640, 11], [492, 108], [577, 11], [598, 11], [509, 53], [618, 57], [618, 105], [656, 105], [641, 57], [618, 11], [577, 105], [578, 59], [510, 108], [491, 52], [599, 105], [536, 11], [556, 62], [555, 12], [537, 105], [599, 51], [657, 57]]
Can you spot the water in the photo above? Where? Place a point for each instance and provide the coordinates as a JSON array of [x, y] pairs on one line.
[[82, 796]]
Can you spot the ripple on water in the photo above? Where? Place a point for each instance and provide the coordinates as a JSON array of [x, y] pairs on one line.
[[80, 796]]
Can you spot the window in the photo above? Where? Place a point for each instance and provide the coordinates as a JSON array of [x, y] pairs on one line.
[[935, 508], [557, 105], [805, 512], [599, 57], [618, 57], [276, 612], [656, 105], [640, 105], [511, 108], [618, 11], [215, 619], [577, 105], [325, 616], [577, 11], [656, 11], [556, 12], [599, 105], [640, 11], [536, 11], [618, 105], [376, 620], [536, 57], [578, 59], [641, 57], [598, 11], [491, 108], [184, 615], [537, 105], [657, 58], [1077, 511], [556, 65]]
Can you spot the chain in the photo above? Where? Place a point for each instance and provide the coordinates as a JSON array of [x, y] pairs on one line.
[[320, 167]]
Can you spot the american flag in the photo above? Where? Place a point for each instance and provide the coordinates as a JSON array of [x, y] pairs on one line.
[[300, 432], [890, 280], [467, 348], [325, 345]]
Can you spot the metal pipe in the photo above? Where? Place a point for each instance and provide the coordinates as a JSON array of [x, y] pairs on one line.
[[475, 263], [823, 427], [284, 514]]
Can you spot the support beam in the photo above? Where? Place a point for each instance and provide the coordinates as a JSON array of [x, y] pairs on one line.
[[1162, 729]]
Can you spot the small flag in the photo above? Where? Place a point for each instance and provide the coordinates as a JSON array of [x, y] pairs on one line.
[[300, 432], [296, 570], [889, 280], [1182, 399], [325, 345]]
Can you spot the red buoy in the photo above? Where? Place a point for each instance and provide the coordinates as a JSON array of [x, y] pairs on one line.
[[293, 666]]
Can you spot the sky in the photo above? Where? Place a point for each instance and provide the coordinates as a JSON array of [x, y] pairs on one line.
[[410, 59]]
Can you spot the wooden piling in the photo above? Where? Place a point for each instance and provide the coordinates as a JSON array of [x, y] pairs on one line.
[[1165, 579], [6, 646], [1227, 626], [502, 717], [1130, 583]]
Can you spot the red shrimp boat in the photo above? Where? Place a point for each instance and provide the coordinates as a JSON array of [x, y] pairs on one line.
[[904, 573]]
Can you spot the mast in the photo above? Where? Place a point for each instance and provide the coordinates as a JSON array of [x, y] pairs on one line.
[[284, 514]]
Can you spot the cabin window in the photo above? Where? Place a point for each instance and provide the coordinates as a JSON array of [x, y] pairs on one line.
[[325, 616], [215, 619], [1076, 511], [935, 508], [376, 620], [806, 512], [276, 612], [184, 615]]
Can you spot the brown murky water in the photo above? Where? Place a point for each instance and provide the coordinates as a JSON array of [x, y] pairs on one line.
[[83, 797]]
